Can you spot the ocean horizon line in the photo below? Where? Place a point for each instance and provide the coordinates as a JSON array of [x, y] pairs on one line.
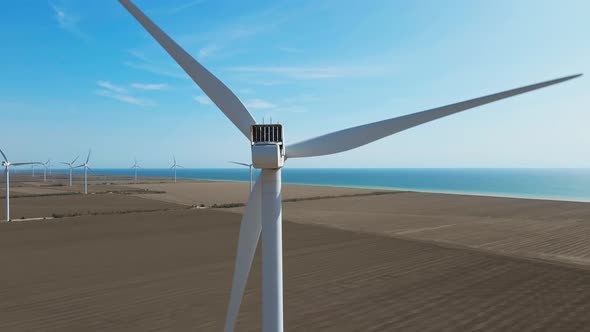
[[561, 184]]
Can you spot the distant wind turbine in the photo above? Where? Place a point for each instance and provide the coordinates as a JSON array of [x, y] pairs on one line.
[[135, 167], [46, 166], [7, 164], [263, 212], [247, 165], [71, 167], [174, 167], [86, 168]]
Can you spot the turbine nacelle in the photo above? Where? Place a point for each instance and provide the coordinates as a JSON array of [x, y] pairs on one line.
[[268, 149]]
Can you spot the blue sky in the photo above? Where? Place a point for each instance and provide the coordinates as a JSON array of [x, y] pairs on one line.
[[80, 74]]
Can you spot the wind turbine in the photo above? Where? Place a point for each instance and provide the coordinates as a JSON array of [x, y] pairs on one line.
[[7, 164], [135, 167], [263, 210], [86, 168], [174, 167], [46, 165], [71, 167], [247, 165]]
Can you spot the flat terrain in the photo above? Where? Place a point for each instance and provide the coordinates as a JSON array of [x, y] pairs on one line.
[[71, 205], [218, 192], [553, 230], [172, 271], [127, 259]]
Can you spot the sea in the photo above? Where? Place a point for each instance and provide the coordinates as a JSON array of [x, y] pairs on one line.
[[555, 184]]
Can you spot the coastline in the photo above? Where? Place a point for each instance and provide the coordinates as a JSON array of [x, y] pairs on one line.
[[494, 194]]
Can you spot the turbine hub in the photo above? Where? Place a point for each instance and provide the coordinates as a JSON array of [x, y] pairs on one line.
[[268, 149]]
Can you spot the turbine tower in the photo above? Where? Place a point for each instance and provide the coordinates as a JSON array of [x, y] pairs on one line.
[[174, 167], [71, 167], [263, 210], [135, 167], [86, 168], [247, 165], [7, 164], [46, 166]]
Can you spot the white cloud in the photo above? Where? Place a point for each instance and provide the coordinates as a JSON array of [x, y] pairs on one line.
[[142, 62], [203, 100], [66, 20], [246, 91], [303, 72], [208, 50], [184, 6], [119, 93], [111, 86], [258, 104], [290, 49], [143, 86], [124, 98]]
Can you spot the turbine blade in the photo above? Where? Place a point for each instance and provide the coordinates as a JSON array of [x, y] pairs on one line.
[[88, 158], [248, 240], [22, 164], [354, 137], [220, 94], [237, 163], [61, 162], [3, 155], [73, 161]]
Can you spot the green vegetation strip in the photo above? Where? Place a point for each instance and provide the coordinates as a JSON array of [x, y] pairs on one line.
[[103, 213], [374, 193]]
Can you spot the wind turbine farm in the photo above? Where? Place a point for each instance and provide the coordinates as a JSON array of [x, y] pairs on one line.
[[173, 167], [368, 207], [46, 167], [135, 167], [86, 169], [249, 168], [70, 167], [7, 164]]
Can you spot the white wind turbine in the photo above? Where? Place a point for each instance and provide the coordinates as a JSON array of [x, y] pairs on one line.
[[263, 210], [7, 164], [247, 165], [71, 167], [46, 166], [135, 167], [86, 168], [174, 167]]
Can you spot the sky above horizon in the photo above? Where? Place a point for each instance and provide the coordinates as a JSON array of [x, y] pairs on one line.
[[84, 74]]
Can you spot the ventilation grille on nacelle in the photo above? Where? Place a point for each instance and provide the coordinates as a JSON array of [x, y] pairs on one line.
[[267, 133]]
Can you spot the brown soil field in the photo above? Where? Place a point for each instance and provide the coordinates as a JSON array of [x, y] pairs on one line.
[[541, 229], [78, 204], [25, 184], [371, 262], [171, 271], [218, 192]]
